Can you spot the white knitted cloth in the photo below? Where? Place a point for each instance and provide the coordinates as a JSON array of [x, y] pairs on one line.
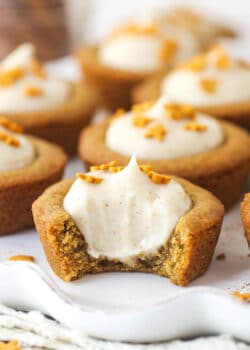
[[36, 332]]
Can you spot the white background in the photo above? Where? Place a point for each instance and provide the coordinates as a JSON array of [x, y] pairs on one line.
[[106, 13]]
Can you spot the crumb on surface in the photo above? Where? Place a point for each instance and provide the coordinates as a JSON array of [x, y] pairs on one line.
[[241, 296], [28, 258], [221, 257]]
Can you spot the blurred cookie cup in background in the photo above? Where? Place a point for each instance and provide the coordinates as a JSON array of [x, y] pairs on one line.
[[214, 83]]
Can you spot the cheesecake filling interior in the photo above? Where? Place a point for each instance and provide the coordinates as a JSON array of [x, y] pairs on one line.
[[25, 86], [145, 46], [124, 212], [211, 79], [16, 151], [162, 130]]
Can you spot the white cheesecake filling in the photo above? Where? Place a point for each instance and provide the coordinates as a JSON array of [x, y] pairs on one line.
[[126, 214], [188, 44], [126, 139], [183, 86], [13, 98], [15, 157], [143, 52], [132, 52], [231, 81]]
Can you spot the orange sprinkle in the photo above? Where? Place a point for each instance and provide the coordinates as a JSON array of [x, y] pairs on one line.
[[156, 131], [143, 107], [159, 179], [94, 168], [37, 69], [177, 112], [107, 166], [118, 113], [223, 61], [208, 85], [8, 77], [168, 49], [115, 169], [195, 127], [141, 29], [103, 166], [33, 91], [15, 73], [241, 296], [196, 64], [89, 178], [146, 168], [140, 120], [133, 28], [22, 258], [9, 139], [12, 345], [10, 125]]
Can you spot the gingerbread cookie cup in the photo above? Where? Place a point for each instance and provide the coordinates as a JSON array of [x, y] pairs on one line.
[[114, 85], [20, 187], [185, 256], [245, 214], [213, 83], [222, 170], [236, 113], [62, 123]]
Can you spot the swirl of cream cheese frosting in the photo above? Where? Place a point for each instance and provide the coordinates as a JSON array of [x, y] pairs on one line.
[[17, 156], [139, 49], [126, 213], [13, 96], [231, 82], [177, 138]]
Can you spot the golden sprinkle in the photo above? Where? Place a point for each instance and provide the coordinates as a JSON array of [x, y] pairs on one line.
[[94, 168], [103, 166], [141, 121], [146, 168], [115, 169], [159, 179], [9, 139], [195, 127], [143, 107], [10, 76], [22, 258], [32, 91], [37, 69], [178, 112], [10, 125], [133, 28], [196, 64], [12, 345], [223, 61], [156, 131], [241, 296], [15, 73], [118, 113], [168, 49], [208, 85], [89, 178]]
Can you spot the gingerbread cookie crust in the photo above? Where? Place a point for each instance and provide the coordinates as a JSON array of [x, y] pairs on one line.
[[62, 124], [184, 257], [216, 170], [20, 187], [245, 215], [114, 85]]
